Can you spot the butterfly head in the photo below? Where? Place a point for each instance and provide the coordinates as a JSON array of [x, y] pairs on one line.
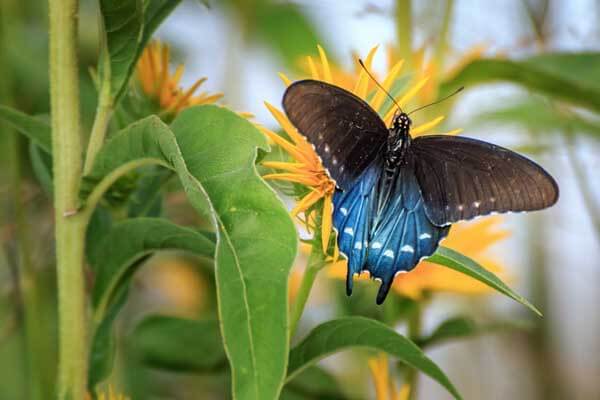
[[402, 122]]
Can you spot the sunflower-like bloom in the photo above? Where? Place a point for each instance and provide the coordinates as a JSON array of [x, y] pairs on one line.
[[470, 238], [158, 83], [306, 167]]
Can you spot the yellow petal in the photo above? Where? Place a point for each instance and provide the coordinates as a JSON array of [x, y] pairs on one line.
[[362, 84], [404, 99], [285, 79], [298, 178], [312, 68], [326, 221], [287, 146], [387, 84], [286, 166], [419, 129], [325, 64], [306, 202], [285, 123], [380, 374], [412, 91], [404, 393]]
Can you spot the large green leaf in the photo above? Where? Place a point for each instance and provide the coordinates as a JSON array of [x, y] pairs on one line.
[[124, 26], [465, 327], [179, 344], [256, 247], [114, 261], [571, 77], [345, 333], [36, 130], [213, 153], [463, 264]]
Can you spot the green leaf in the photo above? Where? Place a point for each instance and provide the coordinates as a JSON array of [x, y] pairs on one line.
[[36, 130], [257, 245], [213, 153], [124, 25], [114, 262], [312, 383], [41, 164], [465, 327], [155, 13], [179, 344], [345, 333], [571, 77], [540, 117], [129, 26], [463, 264]]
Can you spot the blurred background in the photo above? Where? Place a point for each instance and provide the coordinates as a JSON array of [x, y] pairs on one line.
[[551, 257]]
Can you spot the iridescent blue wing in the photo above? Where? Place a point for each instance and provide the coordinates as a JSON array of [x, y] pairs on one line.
[[462, 178], [352, 218], [347, 133], [401, 233]]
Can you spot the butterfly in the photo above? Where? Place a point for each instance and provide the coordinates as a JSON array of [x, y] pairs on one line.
[[396, 196]]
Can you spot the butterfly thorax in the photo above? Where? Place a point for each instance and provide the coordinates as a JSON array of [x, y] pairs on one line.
[[397, 142]]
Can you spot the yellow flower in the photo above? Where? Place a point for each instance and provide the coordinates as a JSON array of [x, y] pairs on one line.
[[158, 83], [306, 168]]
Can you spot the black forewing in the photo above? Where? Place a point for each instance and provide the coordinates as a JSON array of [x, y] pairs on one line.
[[462, 178], [346, 132]]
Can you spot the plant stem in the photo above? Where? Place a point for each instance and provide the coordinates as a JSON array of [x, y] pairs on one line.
[[70, 229], [414, 333], [314, 265], [404, 31]]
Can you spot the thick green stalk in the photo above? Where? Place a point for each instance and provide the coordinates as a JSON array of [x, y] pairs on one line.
[[314, 265], [404, 31], [70, 227]]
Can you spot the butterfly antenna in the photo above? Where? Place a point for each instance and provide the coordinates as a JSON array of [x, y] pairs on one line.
[[438, 101], [378, 84]]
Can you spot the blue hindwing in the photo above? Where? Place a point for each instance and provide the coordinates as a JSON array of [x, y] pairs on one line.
[[382, 226], [352, 218], [402, 233]]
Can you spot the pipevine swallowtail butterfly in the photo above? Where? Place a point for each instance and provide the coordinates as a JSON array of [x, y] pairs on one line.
[[396, 196]]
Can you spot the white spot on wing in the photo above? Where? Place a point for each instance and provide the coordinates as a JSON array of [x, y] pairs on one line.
[[388, 253], [376, 245], [326, 148], [423, 236], [358, 245], [349, 231], [344, 211], [476, 204], [407, 248]]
